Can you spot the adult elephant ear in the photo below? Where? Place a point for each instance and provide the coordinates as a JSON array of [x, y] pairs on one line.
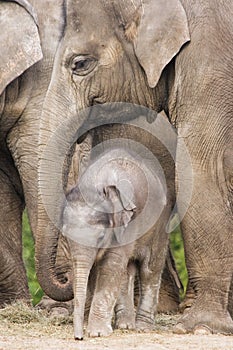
[[19, 40], [158, 31]]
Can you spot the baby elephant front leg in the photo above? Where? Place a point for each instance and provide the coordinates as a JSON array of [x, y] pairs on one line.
[[110, 271]]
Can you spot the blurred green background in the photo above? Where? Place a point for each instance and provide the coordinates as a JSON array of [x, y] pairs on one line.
[[28, 256], [177, 247]]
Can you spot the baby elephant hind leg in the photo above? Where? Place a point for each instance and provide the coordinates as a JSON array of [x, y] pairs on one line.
[[150, 271], [124, 309]]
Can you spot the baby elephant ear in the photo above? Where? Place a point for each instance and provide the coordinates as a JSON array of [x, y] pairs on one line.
[[121, 215], [159, 34], [19, 41], [121, 221]]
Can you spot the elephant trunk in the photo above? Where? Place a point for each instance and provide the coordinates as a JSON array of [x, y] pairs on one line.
[[82, 263], [45, 259], [57, 136]]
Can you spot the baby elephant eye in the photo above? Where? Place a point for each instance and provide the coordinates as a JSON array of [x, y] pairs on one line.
[[82, 65]]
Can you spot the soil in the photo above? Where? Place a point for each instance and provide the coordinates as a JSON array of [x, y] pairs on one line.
[[32, 330]]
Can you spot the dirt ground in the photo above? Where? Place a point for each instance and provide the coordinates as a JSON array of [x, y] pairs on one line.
[[23, 328]]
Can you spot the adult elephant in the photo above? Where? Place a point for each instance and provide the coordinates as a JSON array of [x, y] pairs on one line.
[[24, 80], [173, 55], [25, 31]]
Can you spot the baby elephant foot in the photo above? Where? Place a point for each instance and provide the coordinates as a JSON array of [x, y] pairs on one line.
[[145, 322], [125, 320], [99, 329], [144, 326]]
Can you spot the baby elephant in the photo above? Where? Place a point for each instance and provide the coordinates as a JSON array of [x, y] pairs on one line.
[[115, 219]]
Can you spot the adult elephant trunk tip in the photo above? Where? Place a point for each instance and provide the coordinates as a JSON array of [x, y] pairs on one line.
[[45, 261]]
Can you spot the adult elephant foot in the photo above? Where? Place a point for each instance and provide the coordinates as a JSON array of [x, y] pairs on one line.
[[55, 308], [200, 320]]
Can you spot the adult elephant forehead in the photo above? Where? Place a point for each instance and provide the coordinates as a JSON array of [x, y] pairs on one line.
[[134, 21], [89, 26], [20, 43]]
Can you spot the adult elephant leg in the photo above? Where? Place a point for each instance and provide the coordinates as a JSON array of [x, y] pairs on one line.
[[13, 280], [230, 299], [207, 231]]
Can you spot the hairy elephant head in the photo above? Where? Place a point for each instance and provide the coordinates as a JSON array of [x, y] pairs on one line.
[[110, 51]]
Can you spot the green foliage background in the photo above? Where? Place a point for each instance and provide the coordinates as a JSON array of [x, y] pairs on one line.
[[28, 256], [177, 247]]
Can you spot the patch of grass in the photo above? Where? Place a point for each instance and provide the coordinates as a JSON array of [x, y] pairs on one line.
[[28, 257], [177, 247], [21, 313]]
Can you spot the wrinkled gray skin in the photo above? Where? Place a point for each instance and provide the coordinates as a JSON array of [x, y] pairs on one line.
[[104, 221], [24, 80], [130, 136], [167, 54], [20, 103], [22, 91], [170, 283]]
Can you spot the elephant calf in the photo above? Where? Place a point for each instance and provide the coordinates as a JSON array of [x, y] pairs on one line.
[[116, 219]]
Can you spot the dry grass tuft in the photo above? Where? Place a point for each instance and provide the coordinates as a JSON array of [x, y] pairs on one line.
[[21, 313]]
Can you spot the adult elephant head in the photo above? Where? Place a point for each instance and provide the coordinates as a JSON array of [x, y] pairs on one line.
[[103, 57]]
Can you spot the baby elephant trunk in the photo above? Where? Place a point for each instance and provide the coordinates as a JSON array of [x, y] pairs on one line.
[[83, 259]]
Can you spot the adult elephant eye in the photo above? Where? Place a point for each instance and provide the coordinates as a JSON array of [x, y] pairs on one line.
[[82, 65]]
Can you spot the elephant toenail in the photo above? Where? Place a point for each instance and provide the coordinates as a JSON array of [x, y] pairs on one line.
[[202, 329], [179, 329], [78, 338]]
